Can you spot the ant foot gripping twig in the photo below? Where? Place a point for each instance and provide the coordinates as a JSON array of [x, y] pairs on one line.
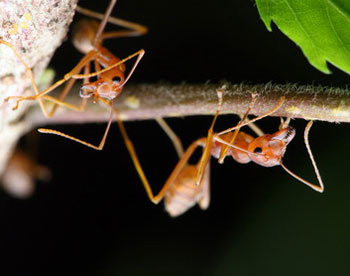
[[18, 100]]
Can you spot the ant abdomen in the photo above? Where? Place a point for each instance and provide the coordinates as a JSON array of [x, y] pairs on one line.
[[84, 34], [184, 193]]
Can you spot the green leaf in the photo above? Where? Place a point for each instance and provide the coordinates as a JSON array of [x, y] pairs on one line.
[[320, 27]]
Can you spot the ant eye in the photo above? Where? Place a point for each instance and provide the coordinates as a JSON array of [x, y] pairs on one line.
[[116, 80], [258, 150]]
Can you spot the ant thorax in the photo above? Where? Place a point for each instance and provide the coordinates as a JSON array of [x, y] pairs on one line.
[[242, 140], [270, 148]]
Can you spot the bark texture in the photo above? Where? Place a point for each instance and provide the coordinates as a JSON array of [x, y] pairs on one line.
[[35, 29]]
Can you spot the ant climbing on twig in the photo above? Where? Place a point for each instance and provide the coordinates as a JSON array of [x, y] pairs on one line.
[[88, 37], [189, 184], [110, 70]]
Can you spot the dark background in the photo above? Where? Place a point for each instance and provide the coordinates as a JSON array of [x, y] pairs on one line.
[[94, 218]]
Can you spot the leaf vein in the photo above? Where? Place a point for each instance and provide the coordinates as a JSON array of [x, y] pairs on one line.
[[335, 32], [301, 26], [339, 10]]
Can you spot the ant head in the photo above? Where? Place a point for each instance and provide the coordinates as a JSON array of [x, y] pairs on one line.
[[271, 148], [108, 85]]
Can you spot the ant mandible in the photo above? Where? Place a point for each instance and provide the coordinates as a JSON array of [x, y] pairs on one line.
[[189, 184]]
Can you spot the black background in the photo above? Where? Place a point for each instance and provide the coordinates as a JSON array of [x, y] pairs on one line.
[[94, 218]]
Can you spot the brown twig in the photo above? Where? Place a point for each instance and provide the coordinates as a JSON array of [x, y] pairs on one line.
[[148, 101]]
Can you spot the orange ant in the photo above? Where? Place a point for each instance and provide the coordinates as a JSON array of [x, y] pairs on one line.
[[266, 150], [110, 70], [189, 184]]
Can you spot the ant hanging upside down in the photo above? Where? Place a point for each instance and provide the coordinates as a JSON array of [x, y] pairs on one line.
[[189, 184]]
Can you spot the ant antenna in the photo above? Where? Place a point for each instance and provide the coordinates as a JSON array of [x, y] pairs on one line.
[[307, 144]]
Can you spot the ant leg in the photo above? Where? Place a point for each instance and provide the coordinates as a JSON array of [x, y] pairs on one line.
[[178, 168], [87, 58], [255, 119], [172, 136], [97, 67], [224, 148], [141, 30], [134, 28], [87, 71], [205, 200], [257, 130], [104, 22], [60, 101], [222, 141], [42, 106], [132, 152], [66, 90], [99, 147], [64, 93], [139, 55], [209, 142]]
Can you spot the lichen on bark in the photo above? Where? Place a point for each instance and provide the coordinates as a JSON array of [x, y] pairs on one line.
[[35, 29]]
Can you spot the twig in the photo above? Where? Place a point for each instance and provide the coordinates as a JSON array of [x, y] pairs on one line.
[[148, 101]]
